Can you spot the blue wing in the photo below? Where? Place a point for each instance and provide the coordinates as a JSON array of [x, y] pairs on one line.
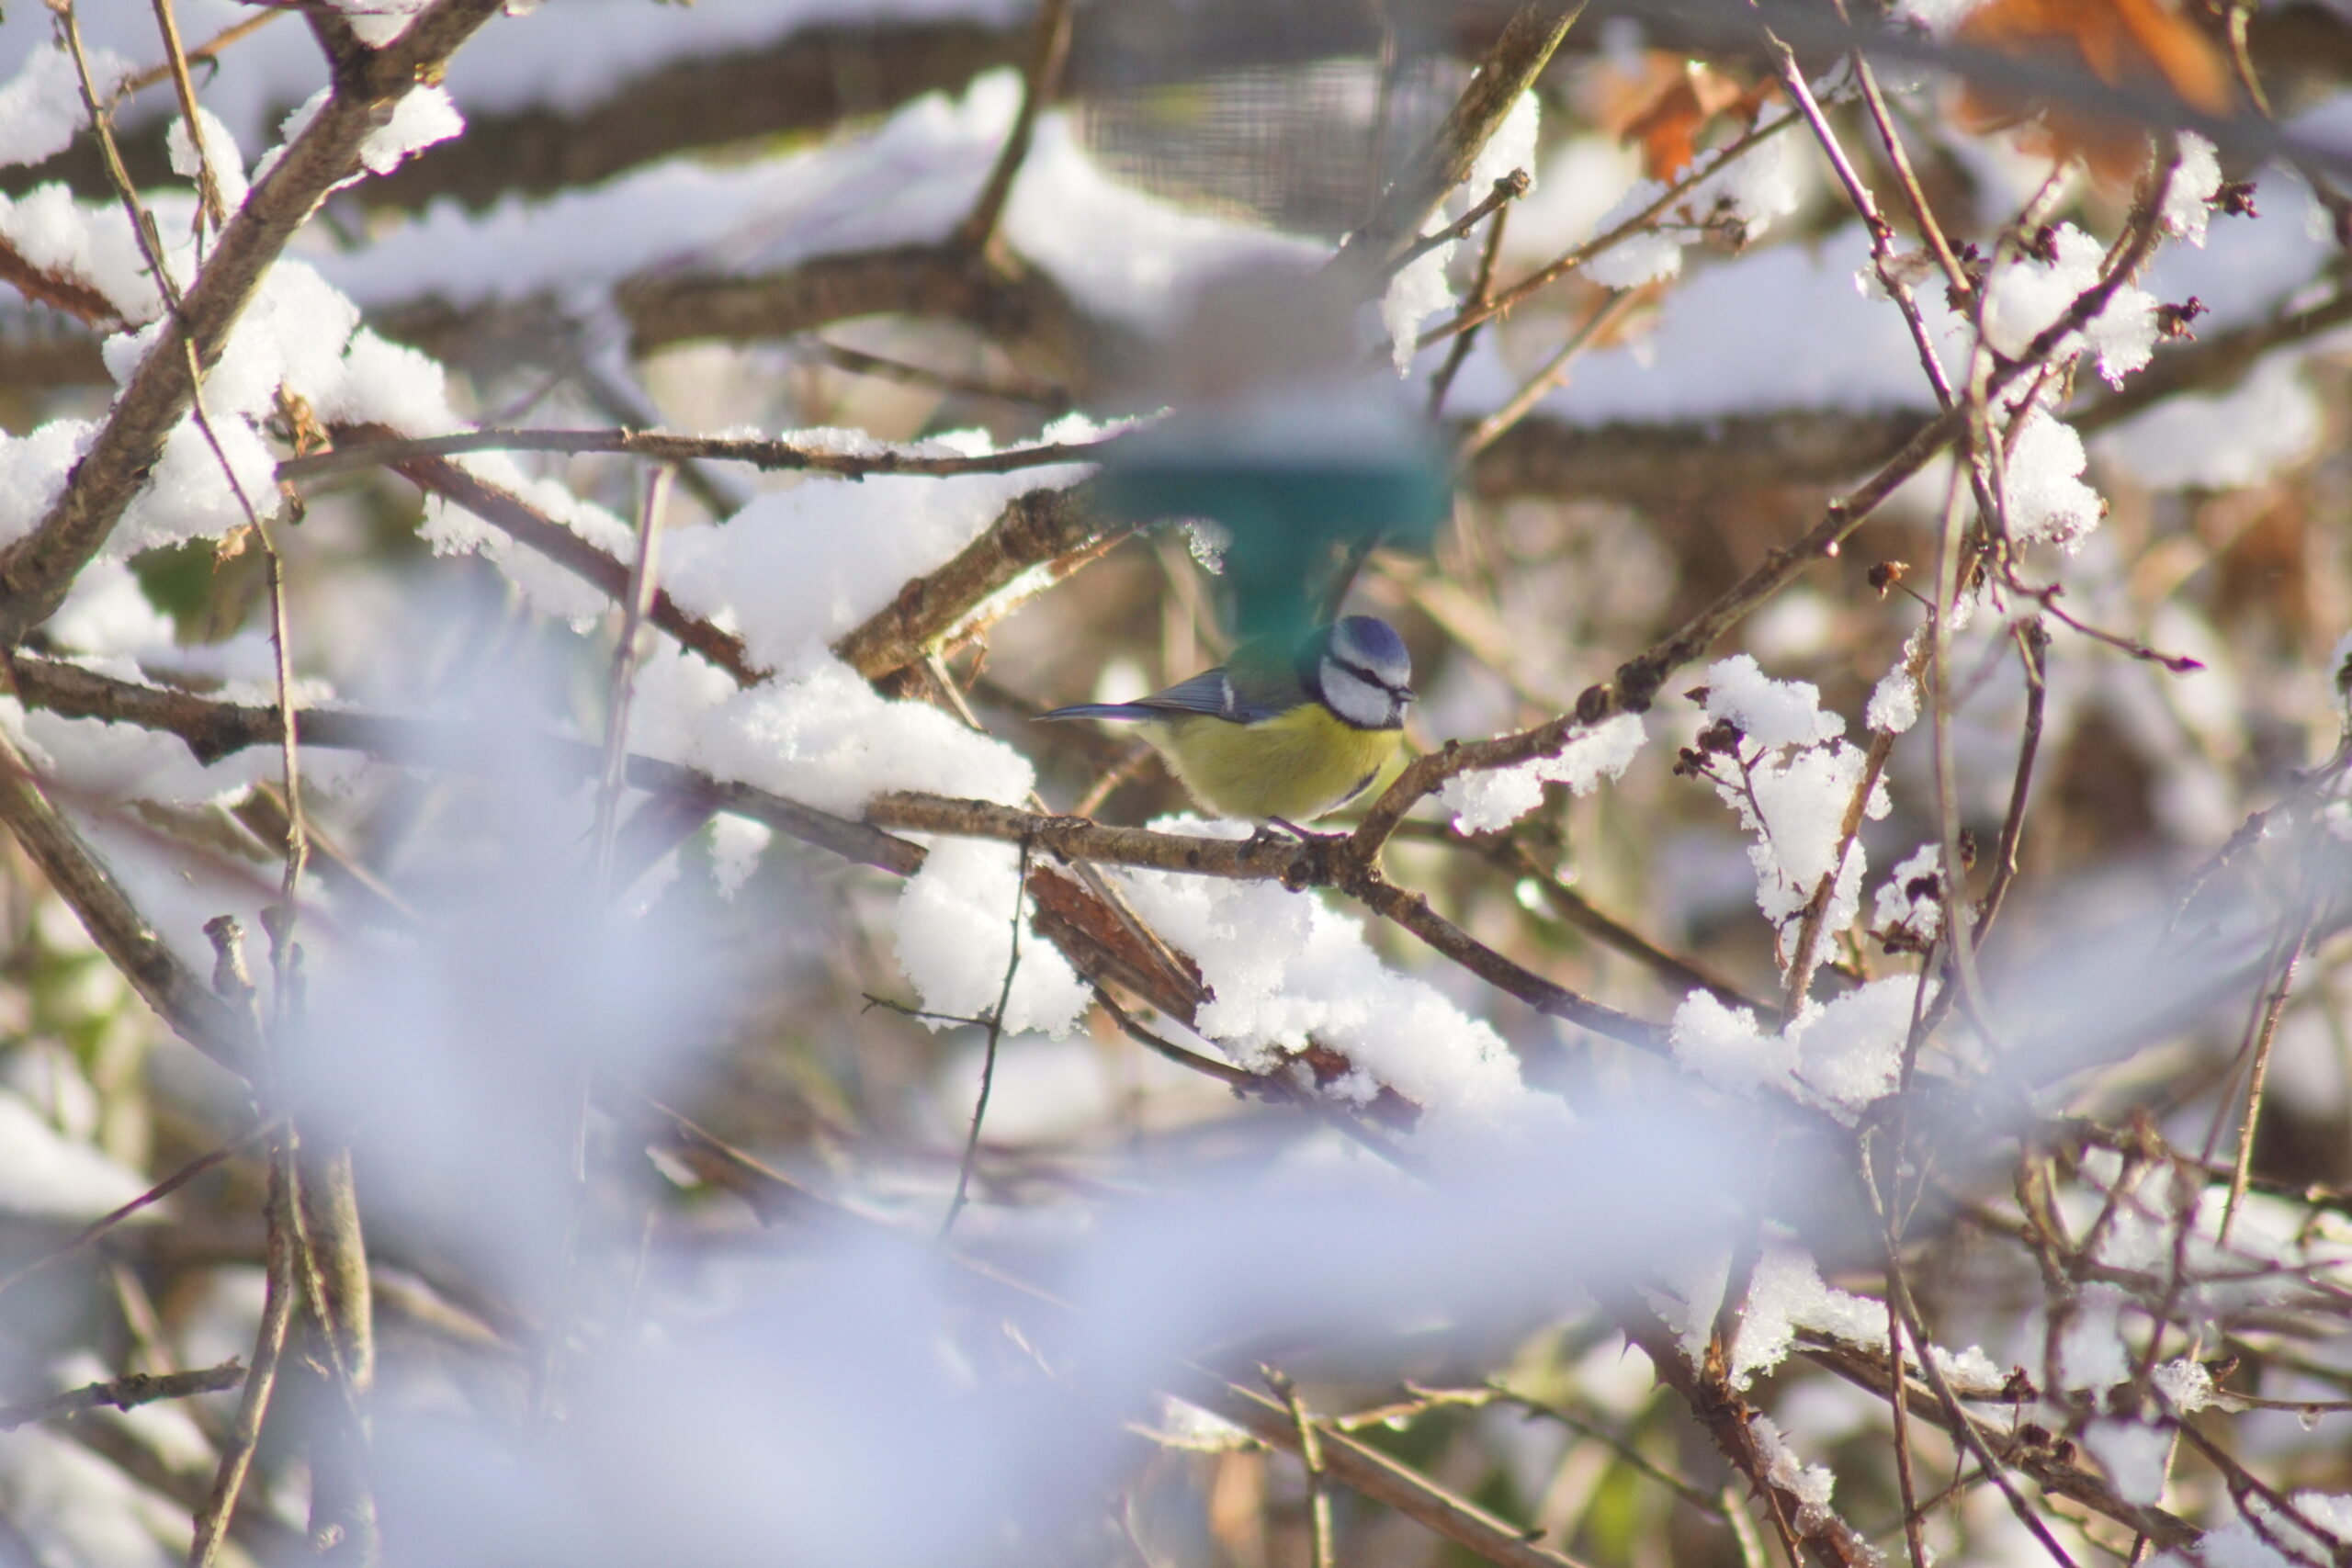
[[1211, 693]]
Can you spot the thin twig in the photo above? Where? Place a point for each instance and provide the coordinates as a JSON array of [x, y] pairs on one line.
[[1473, 314], [37, 569], [149, 1199], [1487, 431], [1310, 1455], [123, 1392], [1049, 50], [1519, 52], [1509, 189], [207, 186], [988, 1060], [777, 455], [269, 1341], [1482, 289], [621, 686], [209, 52], [2264, 1031]]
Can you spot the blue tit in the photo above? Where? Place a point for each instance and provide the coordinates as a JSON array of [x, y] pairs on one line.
[[1282, 732]]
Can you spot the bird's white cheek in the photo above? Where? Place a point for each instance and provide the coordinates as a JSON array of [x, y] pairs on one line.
[[1356, 700]]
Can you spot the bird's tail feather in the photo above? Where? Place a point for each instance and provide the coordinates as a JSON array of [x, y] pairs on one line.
[[1100, 710]]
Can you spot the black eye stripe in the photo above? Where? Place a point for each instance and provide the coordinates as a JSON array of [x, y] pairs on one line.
[[1368, 677]]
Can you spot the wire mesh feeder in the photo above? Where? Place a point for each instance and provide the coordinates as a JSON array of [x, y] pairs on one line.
[[1293, 114]]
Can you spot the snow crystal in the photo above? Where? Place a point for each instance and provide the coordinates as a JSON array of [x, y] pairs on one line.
[[1183, 1424], [122, 761], [1124, 253], [1489, 801], [290, 128], [1785, 1293], [1763, 183], [1693, 1293], [2186, 1386], [91, 242], [2134, 1455], [378, 22], [1286, 969], [2245, 1540], [1419, 292], [1648, 257], [221, 154], [2048, 500], [40, 106], [1810, 1485], [799, 566], [1970, 1371], [2330, 1511], [1913, 896], [1796, 808], [1512, 146], [954, 929], [2195, 183], [191, 494], [1769, 712], [32, 472], [551, 588], [1724, 1047], [1851, 1051], [423, 116], [825, 738], [2028, 295], [1895, 701], [736, 845], [1844, 1055], [389, 384]]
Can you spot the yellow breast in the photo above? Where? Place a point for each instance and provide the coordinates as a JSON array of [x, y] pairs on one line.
[[1297, 766]]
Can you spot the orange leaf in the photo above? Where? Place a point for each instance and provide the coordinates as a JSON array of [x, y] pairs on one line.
[[2125, 43], [1682, 97]]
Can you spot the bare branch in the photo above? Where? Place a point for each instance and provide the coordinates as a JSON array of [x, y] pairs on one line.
[[123, 1392], [1509, 68], [662, 446], [36, 571]]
